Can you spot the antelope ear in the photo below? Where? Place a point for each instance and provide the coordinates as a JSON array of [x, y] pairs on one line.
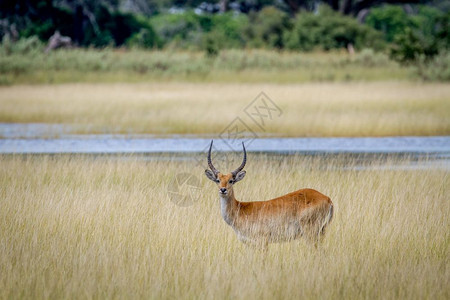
[[210, 175], [239, 176]]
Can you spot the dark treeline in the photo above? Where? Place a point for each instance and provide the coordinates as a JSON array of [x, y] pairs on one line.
[[409, 29]]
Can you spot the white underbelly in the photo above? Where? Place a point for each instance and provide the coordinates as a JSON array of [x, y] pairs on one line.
[[270, 231]]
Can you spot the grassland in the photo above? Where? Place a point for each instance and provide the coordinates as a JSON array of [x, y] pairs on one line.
[[310, 109], [29, 65], [98, 227]]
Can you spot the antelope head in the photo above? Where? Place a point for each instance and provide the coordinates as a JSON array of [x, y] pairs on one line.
[[225, 182]]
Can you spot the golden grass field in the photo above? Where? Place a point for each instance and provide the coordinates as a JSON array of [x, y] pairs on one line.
[[101, 227], [309, 109]]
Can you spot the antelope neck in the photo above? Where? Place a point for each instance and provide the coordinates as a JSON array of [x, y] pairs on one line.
[[228, 206]]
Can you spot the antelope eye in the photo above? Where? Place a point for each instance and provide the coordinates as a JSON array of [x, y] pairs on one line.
[[217, 180], [231, 181]]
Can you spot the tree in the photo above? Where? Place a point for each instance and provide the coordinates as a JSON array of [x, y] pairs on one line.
[[346, 7]]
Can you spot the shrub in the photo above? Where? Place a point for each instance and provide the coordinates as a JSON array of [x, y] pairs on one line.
[[370, 58], [145, 38], [23, 46], [117, 28], [393, 20], [330, 30], [389, 19], [177, 30], [266, 28], [112, 27], [227, 30], [188, 30], [436, 68], [425, 38], [43, 20], [210, 46], [411, 45]]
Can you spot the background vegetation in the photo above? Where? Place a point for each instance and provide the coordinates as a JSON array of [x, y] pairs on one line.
[[414, 35], [28, 64]]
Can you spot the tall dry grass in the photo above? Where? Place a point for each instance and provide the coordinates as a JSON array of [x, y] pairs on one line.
[[99, 227], [314, 109]]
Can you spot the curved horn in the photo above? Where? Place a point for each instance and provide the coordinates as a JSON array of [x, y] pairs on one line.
[[243, 162], [211, 166]]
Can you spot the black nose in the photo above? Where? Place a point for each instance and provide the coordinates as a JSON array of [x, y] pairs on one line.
[[223, 190]]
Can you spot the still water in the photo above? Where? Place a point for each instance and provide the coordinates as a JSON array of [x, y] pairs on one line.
[[43, 138], [123, 144]]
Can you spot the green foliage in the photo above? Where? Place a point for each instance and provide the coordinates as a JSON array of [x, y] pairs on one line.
[[101, 24], [269, 28], [18, 57], [393, 20], [177, 29], [210, 45], [144, 35], [227, 30], [420, 36], [24, 46], [104, 26], [436, 68], [421, 39], [266, 28], [47, 21], [411, 45], [191, 31], [235, 65], [145, 38], [369, 58], [390, 19], [117, 28], [330, 30], [443, 31], [428, 20]]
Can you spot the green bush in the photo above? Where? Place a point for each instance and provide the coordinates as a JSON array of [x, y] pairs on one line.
[[177, 30], [369, 58], [426, 32], [211, 46], [227, 30], [389, 19], [266, 28], [330, 30], [393, 21], [436, 68], [412, 45], [146, 38], [427, 35], [23, 46], [44, 20], [191, 31], [112, 27], [117, 28]]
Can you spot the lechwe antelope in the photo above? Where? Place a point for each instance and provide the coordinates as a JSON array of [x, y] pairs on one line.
[[305, 212]]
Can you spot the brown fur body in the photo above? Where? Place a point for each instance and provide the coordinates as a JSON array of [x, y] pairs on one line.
[[305, 212]]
